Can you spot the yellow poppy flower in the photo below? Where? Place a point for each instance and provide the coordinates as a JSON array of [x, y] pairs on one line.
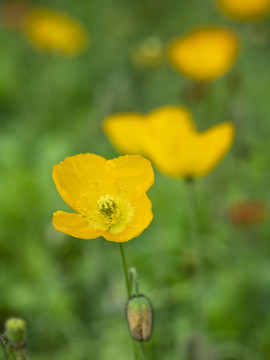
[[205, 53], [109, 197], [245, 9], [169, 138], [52, 31]]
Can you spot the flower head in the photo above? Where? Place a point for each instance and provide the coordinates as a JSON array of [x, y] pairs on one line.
[[55, 32], [169, 138], [16, 331], [204, 54], [109, 197], [245, 10]]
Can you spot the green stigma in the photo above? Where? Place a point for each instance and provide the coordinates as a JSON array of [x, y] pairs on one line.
[[112, 215], [107, 206]]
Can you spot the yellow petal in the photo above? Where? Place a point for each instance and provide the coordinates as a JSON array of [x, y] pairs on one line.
[[52, 31], [74, 225], [204, 54], [170, 117], [125, 132], [194, 154], [141, 219], [211, 146], [168, 130], [245, 9], [77, 176], [173, 156], [165, 125], [132, 133], [131, 171]]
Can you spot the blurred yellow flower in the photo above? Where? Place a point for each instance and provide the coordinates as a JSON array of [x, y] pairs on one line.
[[204, 54], [52, 31], [245, 10], [169, 138], [109, 197]]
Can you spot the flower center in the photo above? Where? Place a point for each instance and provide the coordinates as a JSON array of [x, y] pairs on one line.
[[108, 209]]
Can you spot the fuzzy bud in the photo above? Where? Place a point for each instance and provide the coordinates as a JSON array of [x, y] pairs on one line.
[[16, 331], [140, 317]]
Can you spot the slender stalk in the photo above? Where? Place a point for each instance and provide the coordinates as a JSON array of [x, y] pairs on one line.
[[133, 279], [20, 355], [125, 269], [9, 352], [137, 347], [197, 247], [6, 349]]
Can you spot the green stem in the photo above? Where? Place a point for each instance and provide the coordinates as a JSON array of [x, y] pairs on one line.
[[140, 354], [125, 269], [20, 355], [197, 247], [6, 349], [134, 283]]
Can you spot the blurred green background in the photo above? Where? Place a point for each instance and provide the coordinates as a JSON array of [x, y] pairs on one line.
[[71, 291]]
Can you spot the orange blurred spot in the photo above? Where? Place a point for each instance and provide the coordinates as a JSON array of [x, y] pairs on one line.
[[13, 14], [248, 213]]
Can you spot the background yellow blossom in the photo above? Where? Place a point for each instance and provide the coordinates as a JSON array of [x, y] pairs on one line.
[[204, 54], [245, 10], [169, 138], [53, 31]]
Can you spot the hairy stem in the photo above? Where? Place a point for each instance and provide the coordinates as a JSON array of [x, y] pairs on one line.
[[6, 349]]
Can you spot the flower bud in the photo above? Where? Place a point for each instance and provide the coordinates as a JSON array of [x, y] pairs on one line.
[[140, 317], [16, 332]]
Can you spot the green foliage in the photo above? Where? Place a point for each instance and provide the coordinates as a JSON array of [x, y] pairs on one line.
[[71, 292]]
